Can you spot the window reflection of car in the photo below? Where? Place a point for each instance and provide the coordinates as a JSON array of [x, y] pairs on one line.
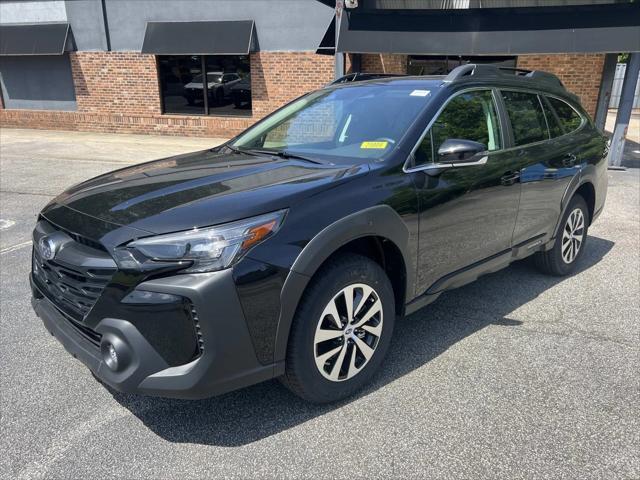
[[218, 87], [241, 92]]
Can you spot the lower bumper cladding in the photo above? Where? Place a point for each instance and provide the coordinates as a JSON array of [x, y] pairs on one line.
[[120, 355]]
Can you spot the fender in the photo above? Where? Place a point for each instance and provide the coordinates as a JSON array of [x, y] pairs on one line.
[[381, 220], [586, 175]]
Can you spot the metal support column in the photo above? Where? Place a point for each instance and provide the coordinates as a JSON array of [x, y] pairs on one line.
[[606, 85], [624, 110], [338, 65]]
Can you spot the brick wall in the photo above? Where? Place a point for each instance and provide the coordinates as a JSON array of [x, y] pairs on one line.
[[118, 92], [115, 82], [580, 73], [279, 77], [383, 63]]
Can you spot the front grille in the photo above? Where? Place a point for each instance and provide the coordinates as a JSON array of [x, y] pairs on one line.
[[75, 278], [77, 237], [73, 289], [86, 241]]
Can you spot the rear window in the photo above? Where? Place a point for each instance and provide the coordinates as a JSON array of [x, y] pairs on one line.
[[569, 118], [527, 118]]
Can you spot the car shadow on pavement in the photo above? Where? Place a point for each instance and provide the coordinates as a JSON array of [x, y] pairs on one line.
[[257, 412]]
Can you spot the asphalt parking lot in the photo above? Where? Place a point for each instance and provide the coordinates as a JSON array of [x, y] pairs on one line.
[[518, 375]]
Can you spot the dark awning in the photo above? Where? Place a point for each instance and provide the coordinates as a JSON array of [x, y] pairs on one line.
[[493, 31], [34, 39], [199, 38], [328, 44]]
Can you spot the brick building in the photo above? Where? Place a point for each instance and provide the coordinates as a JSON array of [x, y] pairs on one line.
[[214, 67]]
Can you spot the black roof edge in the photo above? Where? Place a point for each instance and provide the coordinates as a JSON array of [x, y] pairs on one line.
[[516, 77], [492, 71]]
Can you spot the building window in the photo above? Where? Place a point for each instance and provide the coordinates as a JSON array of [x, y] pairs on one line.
[[37, 82], [443, 64], [205, 84]]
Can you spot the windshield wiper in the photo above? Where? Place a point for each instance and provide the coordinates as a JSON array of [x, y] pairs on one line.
[[286, 154], [277, 153], [238, 150]]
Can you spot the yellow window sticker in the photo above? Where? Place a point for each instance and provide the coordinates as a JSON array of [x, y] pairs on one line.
[[378, 145]]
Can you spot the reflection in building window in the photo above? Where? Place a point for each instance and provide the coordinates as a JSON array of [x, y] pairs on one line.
[[205, 85]]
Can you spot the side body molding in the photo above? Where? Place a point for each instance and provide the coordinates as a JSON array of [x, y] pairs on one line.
[[381, 220]]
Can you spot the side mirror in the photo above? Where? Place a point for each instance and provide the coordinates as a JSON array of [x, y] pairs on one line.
[[457, 150]]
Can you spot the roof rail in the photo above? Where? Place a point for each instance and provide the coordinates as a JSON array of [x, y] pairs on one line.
[[493, 71]]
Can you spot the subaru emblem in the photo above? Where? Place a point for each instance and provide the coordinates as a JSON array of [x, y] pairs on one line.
[[47, 248]]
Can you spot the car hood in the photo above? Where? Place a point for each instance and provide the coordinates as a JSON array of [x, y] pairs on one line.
[[200, 189]]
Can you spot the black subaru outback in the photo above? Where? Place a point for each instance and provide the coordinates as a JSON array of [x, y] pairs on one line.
[[291, 250]]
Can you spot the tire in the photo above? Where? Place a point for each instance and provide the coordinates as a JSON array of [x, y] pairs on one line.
[[360, 278], [562, 258]]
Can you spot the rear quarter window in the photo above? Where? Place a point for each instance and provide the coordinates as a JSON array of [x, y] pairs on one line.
[[568, 117]]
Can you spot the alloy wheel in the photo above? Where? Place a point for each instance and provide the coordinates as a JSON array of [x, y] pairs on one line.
[[573, 236], [348, 332]]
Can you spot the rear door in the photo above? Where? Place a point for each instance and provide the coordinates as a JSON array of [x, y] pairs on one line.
[[547, 159]]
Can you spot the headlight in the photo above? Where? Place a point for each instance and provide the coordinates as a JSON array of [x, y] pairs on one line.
[[204, 249]]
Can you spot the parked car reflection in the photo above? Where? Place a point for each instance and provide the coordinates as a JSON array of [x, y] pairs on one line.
[[218, 87], [241, 93]]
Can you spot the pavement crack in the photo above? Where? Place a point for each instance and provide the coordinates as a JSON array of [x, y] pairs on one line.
[[40, 194], [575, 333]]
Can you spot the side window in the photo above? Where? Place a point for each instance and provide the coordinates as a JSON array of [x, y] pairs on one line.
[[569, 118], [527, 118], [468, 116], [552, 119]]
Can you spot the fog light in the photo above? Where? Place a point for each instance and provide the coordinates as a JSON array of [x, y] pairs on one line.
[[110, 356]]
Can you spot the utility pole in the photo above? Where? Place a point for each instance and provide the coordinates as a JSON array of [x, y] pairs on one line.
[[624, 111]]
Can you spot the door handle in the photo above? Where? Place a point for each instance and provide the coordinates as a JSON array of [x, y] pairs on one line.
[[569, 160], [509, 178]]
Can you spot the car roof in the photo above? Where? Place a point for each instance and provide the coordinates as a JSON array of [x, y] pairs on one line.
[[479, 75]]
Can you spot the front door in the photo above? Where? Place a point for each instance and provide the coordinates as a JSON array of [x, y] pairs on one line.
[[467, 210]]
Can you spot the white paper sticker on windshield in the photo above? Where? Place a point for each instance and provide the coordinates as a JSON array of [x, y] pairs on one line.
[[420, 93]]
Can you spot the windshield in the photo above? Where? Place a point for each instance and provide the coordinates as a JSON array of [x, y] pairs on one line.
[[364, 121]]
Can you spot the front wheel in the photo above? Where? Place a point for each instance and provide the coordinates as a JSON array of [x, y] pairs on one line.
[[341, 330], [569, 247]]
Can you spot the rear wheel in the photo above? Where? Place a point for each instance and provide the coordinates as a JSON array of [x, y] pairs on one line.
[[569, 246], [341, 331]]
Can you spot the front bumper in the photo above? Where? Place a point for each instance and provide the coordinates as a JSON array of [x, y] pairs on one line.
[[228, 361]]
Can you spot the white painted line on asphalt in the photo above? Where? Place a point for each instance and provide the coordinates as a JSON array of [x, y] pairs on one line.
[[4, 224], [71, 439], [13, 248]]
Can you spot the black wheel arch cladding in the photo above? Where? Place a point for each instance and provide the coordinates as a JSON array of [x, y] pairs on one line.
[[377, 221]]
